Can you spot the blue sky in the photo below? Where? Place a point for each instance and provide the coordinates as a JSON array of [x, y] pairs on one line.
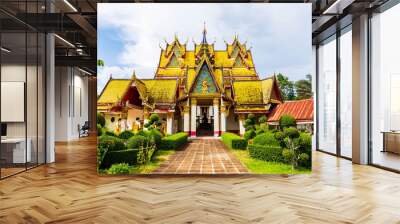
[[130, 35]]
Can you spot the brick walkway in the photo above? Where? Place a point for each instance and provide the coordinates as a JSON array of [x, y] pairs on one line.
[[202, 156]]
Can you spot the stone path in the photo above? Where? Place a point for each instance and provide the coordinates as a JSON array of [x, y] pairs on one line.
[[202, 156]]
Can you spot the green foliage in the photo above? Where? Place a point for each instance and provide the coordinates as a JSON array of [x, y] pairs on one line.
[[303, 88], [304, 160], [136, 141], [123, 156], [101, 152], [145, 153], [156, 136], [262, 119], [286, 86], [154, 122], [174, 141], [267, 138], [100, 130], [287, 121], [126, 135], [305, 142], [262, 128], [110, 133], [280, 136], [250, 122], [100, 63], [120, 168], [291, 132], [111, 143], [233, 141], [266, 152], [249, 134], [288, 155], [101, 120]]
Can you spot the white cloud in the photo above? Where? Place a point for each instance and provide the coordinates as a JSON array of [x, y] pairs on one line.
[[280, 34], [117, 72]]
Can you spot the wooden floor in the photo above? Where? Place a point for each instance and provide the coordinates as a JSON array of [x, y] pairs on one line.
[[70, 191]]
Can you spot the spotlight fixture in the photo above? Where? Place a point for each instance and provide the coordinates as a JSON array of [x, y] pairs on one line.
[[64, 40], [5, 50], [70, 5]]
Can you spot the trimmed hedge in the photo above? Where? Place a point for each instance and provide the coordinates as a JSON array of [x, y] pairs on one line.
[[233, 141], [174, 141], [125, 135], [266, 152], [267, 138], [136, 141], [111, 143], [128, 156]]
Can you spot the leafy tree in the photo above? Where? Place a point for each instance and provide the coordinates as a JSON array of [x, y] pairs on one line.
[[303, 88], [100, 63], [286, 86]]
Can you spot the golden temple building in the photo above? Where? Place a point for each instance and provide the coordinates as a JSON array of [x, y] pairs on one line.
[[204, 91]]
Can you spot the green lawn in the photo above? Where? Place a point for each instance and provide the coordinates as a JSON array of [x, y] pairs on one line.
[[257, 166], [159, 157]]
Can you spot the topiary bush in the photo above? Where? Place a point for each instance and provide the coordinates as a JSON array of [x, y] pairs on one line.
[[101, 120], [262, 119], [304, 160], [174, 141], [280, 136], [120, 168], [266, 152], [123, 156], [288, 155], [126, 135], [156, 136], [305, 142], [291, 132], [136, 141], [111, 143], [287, 121], [100, 130], [233, 141], [110, 133], [267, 138], [249, 134]]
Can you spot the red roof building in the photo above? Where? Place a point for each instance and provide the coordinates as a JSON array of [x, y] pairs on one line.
[[301, 110]]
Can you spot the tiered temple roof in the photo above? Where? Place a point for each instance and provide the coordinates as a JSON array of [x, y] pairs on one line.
[[181, 73]]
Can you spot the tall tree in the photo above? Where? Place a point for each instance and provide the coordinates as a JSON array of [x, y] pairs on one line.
[[286, 86], [303, 88]]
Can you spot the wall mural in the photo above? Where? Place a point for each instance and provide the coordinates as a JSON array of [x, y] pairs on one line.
[[205, 83]]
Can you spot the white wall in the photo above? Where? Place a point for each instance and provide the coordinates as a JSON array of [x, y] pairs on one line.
[[71, 102]]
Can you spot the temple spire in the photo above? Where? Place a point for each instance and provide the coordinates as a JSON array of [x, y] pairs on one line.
[[204, 41]]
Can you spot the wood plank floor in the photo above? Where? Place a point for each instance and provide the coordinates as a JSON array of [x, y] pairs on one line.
[[70, 191]]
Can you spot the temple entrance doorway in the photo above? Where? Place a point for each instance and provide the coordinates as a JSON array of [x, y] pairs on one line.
[[205, 120]]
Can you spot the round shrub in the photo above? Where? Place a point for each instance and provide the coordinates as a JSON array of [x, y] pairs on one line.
[[120, 168], [99, 130], [287, 121], [110, 133], [262, 119], [126, 135], [304, 160], [279, 136], [136, 141], [291, 132], [249, 134], [101, 120], [267, 138], [249, 124], [287, 155], [251, 116], [305, 142], [111, 143], [156, 135], [154, 118]]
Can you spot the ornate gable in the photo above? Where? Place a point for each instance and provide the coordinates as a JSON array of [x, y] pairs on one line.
[[204, 82]]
